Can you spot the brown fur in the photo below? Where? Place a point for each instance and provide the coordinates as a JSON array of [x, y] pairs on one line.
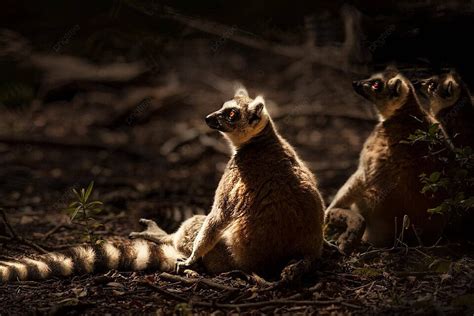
[[267, 209], [386, 184]]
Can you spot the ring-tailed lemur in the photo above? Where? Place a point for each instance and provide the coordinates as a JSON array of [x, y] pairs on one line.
[[450, 102], [267, 211], [386, 184]]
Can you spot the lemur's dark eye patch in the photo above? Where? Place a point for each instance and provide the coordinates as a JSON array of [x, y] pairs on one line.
[[232, 115], [376, 85], [432, 85]]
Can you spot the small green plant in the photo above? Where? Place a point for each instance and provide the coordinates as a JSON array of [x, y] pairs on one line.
[[433, 138], [82, 211], [455, 178]]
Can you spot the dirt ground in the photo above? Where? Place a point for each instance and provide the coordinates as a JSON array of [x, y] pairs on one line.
[[145, 145]]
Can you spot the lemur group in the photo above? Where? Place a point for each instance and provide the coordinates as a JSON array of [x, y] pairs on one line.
[[268, 211]]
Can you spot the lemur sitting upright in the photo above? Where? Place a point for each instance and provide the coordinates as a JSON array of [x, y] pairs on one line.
[[449, 101], [267, 211], [386, 185]]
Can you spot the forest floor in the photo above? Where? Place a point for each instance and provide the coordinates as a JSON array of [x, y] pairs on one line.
[[145, 145]]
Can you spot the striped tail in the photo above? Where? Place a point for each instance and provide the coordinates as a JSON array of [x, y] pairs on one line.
[[126, 255]]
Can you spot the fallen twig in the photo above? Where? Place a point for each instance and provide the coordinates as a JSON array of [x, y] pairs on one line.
[[415, 273], [372, 253], [7, 223], [163, 291], [275, 302], [15, 236], [53, 231], [207, 282], [125, 149], [335, 56]]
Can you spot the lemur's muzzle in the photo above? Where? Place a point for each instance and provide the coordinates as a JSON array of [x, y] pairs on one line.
[[358, 86], [212, 121], [417, 84]]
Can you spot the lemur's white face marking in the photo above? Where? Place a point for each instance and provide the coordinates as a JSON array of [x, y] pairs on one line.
[[442, 91], [388, 90], [241, 118]]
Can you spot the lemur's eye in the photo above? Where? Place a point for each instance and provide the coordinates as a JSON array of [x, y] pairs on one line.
[[376, 85], [432, 85], [233, 115]]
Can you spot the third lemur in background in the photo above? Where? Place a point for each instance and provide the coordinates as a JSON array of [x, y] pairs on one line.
[[449, 101]]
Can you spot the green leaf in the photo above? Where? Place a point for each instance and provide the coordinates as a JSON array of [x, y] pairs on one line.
[[76, 193], [367, 272], [94, 203], [437, 210], [89, 190], [433, 129], [469, 202], [434, 177], [74, 204], [96, 210], [76, 211]]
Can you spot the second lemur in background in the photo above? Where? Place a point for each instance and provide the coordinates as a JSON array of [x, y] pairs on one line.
[[373, 202]]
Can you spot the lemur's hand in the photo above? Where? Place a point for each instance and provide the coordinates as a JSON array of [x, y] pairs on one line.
[[345, 227], [182, 265]]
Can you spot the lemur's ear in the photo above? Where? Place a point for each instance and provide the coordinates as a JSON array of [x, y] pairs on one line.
[[256, 108], [449, 88], [391, 67], [395, 86], [241, 92], [452, 72]]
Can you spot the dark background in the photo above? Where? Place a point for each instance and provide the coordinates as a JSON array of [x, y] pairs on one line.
[[116, 92]]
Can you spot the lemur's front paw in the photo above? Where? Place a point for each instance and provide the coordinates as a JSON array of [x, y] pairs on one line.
[[182, 265], [152, 232], [345, 227]]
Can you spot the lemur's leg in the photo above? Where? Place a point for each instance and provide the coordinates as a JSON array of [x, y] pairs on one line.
[[152, 232], [207, 238], [348, 193], [342, 224]]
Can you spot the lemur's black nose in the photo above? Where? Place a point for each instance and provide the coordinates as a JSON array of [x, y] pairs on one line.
[[357, 86], [212, 122]]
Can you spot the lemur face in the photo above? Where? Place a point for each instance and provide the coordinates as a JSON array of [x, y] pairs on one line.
[[441, 91], [387, 90], [241, 118]]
